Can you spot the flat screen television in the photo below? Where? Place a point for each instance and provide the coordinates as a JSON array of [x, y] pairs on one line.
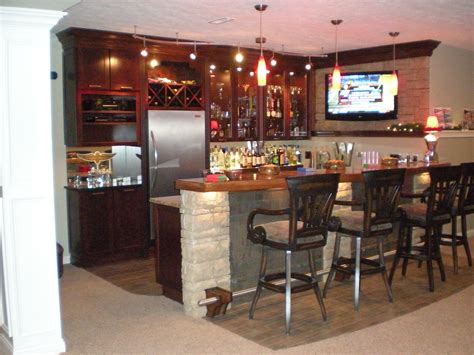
[[364, 96]]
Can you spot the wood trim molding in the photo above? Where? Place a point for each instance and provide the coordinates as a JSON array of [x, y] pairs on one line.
[[372, 133], [379, 54]]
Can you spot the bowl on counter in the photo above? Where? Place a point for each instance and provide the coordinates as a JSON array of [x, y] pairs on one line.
[[335, 164], [234, 174], [269, 170]]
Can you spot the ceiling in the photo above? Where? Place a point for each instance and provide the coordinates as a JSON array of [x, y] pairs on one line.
[[302, 26]]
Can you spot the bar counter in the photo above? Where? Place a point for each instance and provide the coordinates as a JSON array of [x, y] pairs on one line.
[[254, 181], [214, 246]]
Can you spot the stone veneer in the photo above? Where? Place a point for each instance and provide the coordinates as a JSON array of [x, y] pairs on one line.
[[205, 246]]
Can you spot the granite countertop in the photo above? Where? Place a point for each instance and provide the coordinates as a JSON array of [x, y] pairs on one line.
[[172, 201], [254, 182], [84, 187]]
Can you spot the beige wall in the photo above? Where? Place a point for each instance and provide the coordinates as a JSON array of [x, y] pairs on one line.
[[413, 94], [452, 78]]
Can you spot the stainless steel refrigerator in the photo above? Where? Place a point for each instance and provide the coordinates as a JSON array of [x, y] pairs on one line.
[[176, 148]]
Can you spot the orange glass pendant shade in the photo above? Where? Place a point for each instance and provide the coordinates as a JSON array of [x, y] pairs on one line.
[[261, 72], [394, 84], [336, 78]]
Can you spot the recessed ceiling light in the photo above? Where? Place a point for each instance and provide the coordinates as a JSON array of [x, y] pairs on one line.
[[221, 20]]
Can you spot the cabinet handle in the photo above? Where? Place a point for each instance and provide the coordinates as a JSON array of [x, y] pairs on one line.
[[95, 86], [126, 88], [128, 190], [98, 193]]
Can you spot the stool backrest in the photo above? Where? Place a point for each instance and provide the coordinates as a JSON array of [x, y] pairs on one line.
[[466, 194], [311, 202], [382, 192], [442, 191]]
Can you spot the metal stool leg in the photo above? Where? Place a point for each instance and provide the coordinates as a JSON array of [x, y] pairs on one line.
[[454, 242], [396, 259], [357, 274], [335, 256], [263, 267], [316, 289], [288, 291], [384, 271], [464, 239]]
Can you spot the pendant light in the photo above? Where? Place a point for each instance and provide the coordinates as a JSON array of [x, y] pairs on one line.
[[144, 51], [261, 67], [394, 79], [336, 74]]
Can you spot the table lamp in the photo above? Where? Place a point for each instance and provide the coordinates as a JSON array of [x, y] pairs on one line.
[[431, 140]]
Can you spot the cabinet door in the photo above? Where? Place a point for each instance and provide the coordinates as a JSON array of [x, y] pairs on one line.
[[298, 106], [96, 222], [124, 70], [220, 93], [130, 220], [274, 121], [94, 68]]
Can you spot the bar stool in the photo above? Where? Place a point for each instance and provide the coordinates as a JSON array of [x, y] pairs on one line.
[[463, 207], [382, 191], [431, 217], [306, 228]]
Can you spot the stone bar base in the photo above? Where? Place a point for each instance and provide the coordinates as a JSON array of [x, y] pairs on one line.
[[205, 246]]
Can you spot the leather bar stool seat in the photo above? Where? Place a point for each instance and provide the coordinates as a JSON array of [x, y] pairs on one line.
[[305, 227], [382, 191], [431, 217]]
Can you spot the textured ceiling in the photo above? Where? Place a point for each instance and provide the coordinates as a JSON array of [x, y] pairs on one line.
[[302, 26]]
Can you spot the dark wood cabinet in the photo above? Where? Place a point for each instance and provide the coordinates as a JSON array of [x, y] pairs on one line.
[[107, 67], [93, 68], [130, 207], [106, 224]]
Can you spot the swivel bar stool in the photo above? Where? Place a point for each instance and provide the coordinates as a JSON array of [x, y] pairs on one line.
[[462, 207], [430, 216], [382, 191], [305, 228]]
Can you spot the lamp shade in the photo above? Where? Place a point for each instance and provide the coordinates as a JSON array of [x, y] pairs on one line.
[[432, 124], [261, 72], [394, 84], [336, 78]]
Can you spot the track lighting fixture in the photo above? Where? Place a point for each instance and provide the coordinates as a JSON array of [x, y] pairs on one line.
[[144, 51], [239, 57], [193, 55], [273, 61], [308, 65]]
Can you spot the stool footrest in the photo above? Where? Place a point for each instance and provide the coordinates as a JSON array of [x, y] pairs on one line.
[[267, 283]]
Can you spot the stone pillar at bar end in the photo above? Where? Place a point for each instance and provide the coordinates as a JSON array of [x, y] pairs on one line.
[[205, 246]]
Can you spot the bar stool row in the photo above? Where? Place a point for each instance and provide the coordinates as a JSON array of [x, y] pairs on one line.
[[310, 218]]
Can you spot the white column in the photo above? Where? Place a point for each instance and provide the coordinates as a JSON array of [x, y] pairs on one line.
[[31, 295]]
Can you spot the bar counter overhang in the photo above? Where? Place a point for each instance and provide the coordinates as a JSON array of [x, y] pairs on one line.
[[215, 251]]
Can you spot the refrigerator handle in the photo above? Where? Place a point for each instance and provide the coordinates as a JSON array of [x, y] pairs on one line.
[[154, 168]]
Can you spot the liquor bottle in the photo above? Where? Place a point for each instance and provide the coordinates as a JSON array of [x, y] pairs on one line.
[[275, 157], [254, 159], [220, 160], [236, 159], [278, 113], [281, 155], [298, 154], [269, 106], [243, 158], [221, 133]]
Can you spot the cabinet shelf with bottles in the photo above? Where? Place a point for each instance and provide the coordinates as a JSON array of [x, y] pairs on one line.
[[108, 118], [241, 111]]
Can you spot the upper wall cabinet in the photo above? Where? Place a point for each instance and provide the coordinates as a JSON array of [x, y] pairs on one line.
[[102, 89], [108, 69]]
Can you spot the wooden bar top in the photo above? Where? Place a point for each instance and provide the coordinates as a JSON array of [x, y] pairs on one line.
[[254, 181]]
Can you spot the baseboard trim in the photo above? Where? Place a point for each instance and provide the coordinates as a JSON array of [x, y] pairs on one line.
[[66, 259], [5, 340]]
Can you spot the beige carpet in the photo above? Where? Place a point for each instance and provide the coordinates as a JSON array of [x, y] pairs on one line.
[[100, 318]]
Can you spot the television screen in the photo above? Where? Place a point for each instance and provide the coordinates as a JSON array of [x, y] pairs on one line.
[[363, 96]]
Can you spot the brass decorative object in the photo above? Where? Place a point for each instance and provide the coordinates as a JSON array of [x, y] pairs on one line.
[[269, 169], [335, 164], [96, 157]]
